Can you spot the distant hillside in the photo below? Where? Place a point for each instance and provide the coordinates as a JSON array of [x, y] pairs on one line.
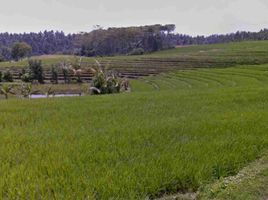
[[239, 36], [115, 41]]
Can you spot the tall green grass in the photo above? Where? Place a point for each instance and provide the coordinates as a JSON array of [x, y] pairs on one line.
[[175, 132]]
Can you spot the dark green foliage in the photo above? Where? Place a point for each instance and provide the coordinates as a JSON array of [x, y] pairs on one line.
[[20, 50], [5, 52], [2, 59], [36, 70], [26, 77], [113, 41], [7, 76], [1, 74], [137, 51], [54, 74]]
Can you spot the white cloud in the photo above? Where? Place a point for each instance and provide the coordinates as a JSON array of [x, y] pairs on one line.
[[191, 17]]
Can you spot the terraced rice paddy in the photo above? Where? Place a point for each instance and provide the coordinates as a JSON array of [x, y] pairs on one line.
[[233, 77], [193, 57], [176, 132]]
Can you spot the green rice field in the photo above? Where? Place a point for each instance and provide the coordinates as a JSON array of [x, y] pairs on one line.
[[175, 132]]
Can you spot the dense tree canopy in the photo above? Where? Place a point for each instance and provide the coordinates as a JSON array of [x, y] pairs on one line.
[[212, 39], [114, 41], [47, 42], [20, 50]]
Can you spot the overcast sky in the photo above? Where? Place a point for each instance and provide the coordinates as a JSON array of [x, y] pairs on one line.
[[194, 17]]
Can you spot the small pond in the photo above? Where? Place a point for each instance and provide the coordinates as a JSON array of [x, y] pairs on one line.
[[41, 96]]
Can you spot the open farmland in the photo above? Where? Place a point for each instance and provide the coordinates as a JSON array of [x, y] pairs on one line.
[[201, 116], [192, 57], [175, 132]]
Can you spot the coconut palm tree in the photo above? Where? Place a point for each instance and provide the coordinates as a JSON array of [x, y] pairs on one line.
[[27, 90], [50, 92], [6, 90]]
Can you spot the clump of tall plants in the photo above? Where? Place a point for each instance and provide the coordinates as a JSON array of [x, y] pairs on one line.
[[7, 76], [66, 71], [25, 76], [34, 72], [54, 74], [70, 69], [107, 82], [6, 89], [27, 90]]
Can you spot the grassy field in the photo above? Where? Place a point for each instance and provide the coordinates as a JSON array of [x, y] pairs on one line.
[[217, 55], [174, 133]]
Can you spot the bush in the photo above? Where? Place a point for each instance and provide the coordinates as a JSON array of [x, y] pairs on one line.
[[105, 82], [36, 70], [54, 74], [137, 51], [20, 50], [7, 76], [66, 74], [26, 77], [1, 76]]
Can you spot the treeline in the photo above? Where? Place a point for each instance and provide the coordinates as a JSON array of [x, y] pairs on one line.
[[113, 41], [130, 40], [47, 42], [99, 42], [239, 36]]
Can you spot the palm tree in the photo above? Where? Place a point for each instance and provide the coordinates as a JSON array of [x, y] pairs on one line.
[[6, 90], [27, 90], [50, 92], [106, 82]]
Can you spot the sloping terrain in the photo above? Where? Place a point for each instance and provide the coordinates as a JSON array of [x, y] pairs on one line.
[[177, 131]]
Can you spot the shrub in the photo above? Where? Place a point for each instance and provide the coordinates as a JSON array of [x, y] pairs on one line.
[[36, 70], [7, 76], [6, 90], [1, 76], [26, 77], [77, 74], [77, 69], [20, 50], [137, 51], [107, 82], [66, 69], [54, 74]]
